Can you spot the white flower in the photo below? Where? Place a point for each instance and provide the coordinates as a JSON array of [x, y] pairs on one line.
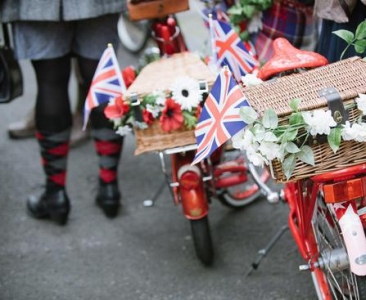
[[361, 103], [355, 132], [255, 24], [243, 139], [360, 130], [270, 150], [251, 80], [154, 110], [186, 92], [347, 132], [319, 122], [123, 130], [160, 100], [255, 157]]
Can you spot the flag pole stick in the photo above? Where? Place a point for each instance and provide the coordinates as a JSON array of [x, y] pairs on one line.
[[212, 37]]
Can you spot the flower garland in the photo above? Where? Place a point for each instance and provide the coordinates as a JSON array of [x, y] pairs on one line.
[[180, 108], [265, 139], [246, 16]]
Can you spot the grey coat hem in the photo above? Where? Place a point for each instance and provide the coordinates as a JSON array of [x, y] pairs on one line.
[[56, 10]]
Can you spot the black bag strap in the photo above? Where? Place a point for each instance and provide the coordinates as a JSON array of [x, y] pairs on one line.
[[345, 7], [6, 37]]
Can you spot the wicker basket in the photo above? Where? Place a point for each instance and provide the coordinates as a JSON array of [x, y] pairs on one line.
[[348, 77], [161, 75]]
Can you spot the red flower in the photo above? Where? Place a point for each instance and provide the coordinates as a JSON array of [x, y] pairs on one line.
[[116, 110], [147, 117], [129, 75], [171, 117]]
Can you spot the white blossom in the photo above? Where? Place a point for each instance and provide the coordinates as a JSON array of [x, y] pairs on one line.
[[270, 150], [361, 103], [243, 139], [154, 110], [186, 92], [123, 130], [356, 132], [360, 131], [251, 80], [255, 24], [319, 122], [255, 157], [160, 100]]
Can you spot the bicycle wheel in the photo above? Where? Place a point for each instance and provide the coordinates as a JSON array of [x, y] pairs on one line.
[[333, 276], [247, 192], [133, 35], [201, 235]]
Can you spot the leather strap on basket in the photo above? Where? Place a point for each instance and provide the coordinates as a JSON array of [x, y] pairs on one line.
[[335, 104], [339, 114]]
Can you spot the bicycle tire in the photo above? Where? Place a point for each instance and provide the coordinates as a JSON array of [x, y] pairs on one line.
[[202, 240], [340, 283], [133, 36], [246, 193]]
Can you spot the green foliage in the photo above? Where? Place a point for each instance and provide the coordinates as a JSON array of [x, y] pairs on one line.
[[357, 39], [243, 11]]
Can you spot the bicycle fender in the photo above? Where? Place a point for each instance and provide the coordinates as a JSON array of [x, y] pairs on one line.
[[193, 199], [354, 237]]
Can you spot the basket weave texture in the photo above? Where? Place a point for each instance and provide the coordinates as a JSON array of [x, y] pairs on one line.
[[348, 77], [160, 75]]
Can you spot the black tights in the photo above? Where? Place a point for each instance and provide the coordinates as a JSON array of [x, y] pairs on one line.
[[53, 111]]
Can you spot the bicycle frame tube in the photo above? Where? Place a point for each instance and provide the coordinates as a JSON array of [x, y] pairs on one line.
[[302, 196]]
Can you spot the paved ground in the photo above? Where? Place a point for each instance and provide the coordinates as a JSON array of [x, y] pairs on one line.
[[146, 253]]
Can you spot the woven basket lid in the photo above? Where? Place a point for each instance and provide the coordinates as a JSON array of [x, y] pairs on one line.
[[160, 74], [347, 76]]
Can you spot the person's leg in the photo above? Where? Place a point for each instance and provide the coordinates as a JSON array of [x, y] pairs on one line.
[[108, 146], [78, 135], [26, 128], [53, 123]]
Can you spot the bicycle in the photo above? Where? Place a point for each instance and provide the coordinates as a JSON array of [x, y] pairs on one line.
[[133, 35], [333, 247], [225, 175]]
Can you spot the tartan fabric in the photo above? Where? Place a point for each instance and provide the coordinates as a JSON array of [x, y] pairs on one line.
[[108, 146], [288, 19], [54, 147]]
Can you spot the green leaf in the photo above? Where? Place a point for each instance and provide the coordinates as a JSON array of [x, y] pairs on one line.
[[294, 104], [360, 46], [288, 165], [258, 131], [296, 118], [270, 137], [249, 11], [234, 10], [248, 114], [361, 31], [346, 35], [189, 120], [289, 135], [292, 148], [270, 119], [334, 138], [306, 155]]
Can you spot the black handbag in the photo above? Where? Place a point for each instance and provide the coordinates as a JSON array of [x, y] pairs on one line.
[[11, 79]]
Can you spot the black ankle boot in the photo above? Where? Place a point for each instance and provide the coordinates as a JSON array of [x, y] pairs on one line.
[[108, 199], [54, 206]]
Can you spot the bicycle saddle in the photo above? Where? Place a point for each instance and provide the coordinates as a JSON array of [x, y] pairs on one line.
[[286, 57]]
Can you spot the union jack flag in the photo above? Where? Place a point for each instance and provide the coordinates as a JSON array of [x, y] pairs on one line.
[[107, 82], [231, 51], [220, 117]]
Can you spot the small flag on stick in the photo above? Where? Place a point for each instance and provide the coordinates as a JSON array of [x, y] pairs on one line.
[[107, 82], [220, 118]]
